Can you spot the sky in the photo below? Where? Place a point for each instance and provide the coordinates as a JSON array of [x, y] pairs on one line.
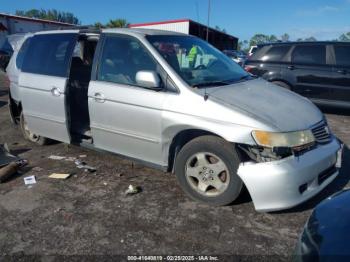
[[323, 19]]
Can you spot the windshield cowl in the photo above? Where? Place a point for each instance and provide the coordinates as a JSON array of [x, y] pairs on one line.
[[224, 83]]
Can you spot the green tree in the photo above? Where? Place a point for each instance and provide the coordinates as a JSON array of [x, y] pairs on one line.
[[285, 37], [120, 23], [310, 39], [99, 25], [51, 14], [345, 37], [243, 45], [258, 39]]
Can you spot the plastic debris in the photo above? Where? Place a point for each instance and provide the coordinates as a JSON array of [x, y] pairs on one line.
[[83, 165], [133, 190], [37, 169], [59, 176], [29, 180], [53, 157], [71, 159]]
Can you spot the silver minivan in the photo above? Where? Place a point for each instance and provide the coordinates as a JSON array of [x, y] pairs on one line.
[[145, 95]]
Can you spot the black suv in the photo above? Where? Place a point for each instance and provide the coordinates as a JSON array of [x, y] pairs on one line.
[[317, 70]]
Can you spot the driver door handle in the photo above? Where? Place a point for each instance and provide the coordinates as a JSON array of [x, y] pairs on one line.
[[342, 71], [99, 97]]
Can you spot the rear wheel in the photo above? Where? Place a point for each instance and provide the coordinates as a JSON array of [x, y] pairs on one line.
[[30, 135], [282, 84], [206, 169]]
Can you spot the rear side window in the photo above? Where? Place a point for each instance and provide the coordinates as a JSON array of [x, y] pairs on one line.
[[275, 53], [122, 57], [21, 53], [49, 54], [309, 54], [342, 55]]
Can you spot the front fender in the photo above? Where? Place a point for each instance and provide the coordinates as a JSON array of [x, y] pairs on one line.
[[230, 132]]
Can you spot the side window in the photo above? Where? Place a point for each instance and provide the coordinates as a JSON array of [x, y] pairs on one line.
[[342, 55], [122, 57], [309, 54], [49, 54], [21, 53], [276, 53]]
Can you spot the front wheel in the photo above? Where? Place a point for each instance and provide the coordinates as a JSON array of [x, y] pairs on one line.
[[206, 169], [27, 134]]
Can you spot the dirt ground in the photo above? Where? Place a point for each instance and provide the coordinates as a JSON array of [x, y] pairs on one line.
[[88, 214]]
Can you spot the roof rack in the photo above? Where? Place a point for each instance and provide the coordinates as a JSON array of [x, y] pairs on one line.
[[82, 28]]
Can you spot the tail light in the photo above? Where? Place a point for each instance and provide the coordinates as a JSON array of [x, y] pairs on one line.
[[248, 68]]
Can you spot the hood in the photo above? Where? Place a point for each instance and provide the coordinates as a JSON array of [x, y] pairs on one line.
[[274, 105]]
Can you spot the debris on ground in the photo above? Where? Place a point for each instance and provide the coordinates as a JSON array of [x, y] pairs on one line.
[[9, 164], [57, 210], [37, 169], [29, 180], [83, 165], [133, 190], [5, 156], [120, 174], [53, 157], [82, 156], [59, 176], [8, 171], [71, 159]]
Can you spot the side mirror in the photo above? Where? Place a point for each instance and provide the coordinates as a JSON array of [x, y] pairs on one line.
[[148, 79]]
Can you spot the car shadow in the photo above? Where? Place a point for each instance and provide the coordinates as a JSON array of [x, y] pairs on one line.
[[337, 185]]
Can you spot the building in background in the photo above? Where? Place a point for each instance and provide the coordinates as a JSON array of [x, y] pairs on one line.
[[219, 39], [13, 24]]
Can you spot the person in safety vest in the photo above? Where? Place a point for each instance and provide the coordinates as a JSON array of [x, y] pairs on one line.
[[192, 55]]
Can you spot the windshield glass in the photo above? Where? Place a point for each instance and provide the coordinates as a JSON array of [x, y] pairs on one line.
[[197, 62]]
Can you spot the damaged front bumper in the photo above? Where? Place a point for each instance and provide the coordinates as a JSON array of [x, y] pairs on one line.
[[285, 183]]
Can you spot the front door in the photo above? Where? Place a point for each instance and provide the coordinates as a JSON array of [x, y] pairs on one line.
[[43, 84], [125, 117], [309, 71]]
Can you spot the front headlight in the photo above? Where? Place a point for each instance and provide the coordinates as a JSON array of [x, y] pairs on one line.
[[288, 139]]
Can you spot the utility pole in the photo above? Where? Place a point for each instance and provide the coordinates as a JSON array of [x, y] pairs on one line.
[[208, 21]]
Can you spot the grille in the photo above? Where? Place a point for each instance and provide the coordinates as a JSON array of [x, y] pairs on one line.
[[321, 133]]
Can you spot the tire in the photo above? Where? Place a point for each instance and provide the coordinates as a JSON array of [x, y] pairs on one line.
[[200, 162], [282, 84], [28, 135]]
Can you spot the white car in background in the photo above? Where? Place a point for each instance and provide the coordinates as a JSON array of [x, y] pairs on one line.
[[238, 56], [252, 49]]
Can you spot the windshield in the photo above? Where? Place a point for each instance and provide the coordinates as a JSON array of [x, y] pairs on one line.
[[197, 62]]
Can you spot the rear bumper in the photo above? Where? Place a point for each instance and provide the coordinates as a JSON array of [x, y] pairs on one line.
[[288, 182]]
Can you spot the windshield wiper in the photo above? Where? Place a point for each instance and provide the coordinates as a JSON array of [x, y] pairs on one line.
[[213, 83], [246, 77]]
